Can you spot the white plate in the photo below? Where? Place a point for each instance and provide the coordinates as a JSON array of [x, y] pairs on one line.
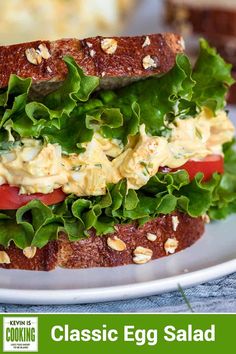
[[214, 255]]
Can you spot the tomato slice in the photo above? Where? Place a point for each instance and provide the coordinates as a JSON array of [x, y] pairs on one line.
[[10, 199], [208, 166]]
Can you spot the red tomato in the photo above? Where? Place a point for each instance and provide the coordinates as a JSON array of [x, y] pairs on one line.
[[11, 199], [208, 166]]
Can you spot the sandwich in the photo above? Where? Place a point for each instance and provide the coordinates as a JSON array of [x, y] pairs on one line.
[[212, 19], [113, 150]]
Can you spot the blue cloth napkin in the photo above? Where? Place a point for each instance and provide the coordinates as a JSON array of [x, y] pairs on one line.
[[215, 296]]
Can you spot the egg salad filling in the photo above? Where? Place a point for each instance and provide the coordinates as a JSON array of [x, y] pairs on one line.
[[40, 168], [83, 157]]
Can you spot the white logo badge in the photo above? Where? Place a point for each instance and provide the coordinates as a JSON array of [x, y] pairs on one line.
[[20, 334]]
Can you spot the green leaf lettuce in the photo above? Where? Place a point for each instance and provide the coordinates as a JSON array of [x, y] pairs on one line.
[[72, 113]]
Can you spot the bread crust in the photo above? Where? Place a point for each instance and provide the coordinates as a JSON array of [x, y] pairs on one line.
[[45, 258], [125, 62], [95, 252]]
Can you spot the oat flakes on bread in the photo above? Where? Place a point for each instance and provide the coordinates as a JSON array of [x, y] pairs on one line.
[[101, 140], [117, 61]]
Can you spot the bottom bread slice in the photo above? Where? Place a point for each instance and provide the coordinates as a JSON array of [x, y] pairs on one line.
[[129, 243]]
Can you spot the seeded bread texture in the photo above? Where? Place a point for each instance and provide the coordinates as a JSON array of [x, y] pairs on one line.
[[116, 60], [159, 237]]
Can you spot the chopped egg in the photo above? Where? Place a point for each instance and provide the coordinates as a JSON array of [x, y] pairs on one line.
[[39, 168], [89, 172], [142, 162], [33, 167], [111, 147], [195, 138]]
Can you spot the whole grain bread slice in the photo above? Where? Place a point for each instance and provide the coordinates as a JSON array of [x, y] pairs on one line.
[[129, 244], [116, 60]]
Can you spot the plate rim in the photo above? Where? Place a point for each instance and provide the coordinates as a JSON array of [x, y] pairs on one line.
[[117, 292]]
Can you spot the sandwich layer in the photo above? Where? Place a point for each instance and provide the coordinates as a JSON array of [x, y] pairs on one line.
[[129, 244], [41, 168], [109, 177], [116, 60]]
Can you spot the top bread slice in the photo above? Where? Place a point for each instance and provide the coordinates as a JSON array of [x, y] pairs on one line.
[[116, 60]]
